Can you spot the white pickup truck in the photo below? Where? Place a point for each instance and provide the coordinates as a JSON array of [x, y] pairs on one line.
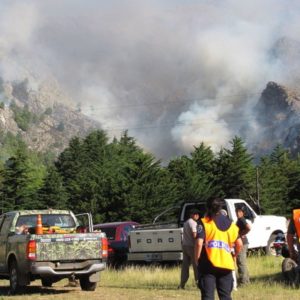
[[161, 242]]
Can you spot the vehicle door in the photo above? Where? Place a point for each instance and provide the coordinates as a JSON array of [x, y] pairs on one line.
[[85, 221], [5, 221]]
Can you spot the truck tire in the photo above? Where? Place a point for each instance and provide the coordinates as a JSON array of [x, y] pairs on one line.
[[86, 284], [46, 282], [270, 250], [14, 286]]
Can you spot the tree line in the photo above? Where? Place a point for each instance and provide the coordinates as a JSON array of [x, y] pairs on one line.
[[118, 180]]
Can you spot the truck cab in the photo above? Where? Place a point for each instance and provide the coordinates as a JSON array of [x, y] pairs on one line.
[[161, 241], [264, 228]]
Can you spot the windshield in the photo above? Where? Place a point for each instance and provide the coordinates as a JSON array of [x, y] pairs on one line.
[[62, 221]]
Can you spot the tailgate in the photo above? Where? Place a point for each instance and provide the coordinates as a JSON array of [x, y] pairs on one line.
[[156, 240], [51, 247]]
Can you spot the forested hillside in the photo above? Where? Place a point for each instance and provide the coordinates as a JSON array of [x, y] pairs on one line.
[[42, 116], [117, 180]]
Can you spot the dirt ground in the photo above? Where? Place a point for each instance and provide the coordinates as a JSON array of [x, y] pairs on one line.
[[58, 291]]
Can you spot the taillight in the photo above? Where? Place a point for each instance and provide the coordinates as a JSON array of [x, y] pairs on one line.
[[31, 250], [104, 247]]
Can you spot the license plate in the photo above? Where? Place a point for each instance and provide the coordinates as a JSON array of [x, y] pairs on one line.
[[153, 257]]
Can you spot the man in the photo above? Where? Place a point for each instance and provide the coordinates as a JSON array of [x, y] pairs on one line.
[[241, 258], [188, 247], [294, 230], [216, 236]]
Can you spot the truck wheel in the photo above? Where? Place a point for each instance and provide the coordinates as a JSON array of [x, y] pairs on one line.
[[87, 285], [289, 270], [270, 249], [14, 286], [46, 282]]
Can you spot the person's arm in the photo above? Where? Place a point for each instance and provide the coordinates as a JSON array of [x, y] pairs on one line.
[[238, 246], [290, 242], [198, 249], [245, 227], [200, 236], [291, 232]]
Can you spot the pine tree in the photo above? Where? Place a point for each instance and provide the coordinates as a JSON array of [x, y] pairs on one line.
[[235, 172], [53, 193], [194, 176], [22, 176], [279, 181]]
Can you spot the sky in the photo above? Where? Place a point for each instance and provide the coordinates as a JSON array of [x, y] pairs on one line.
[[174, 73]]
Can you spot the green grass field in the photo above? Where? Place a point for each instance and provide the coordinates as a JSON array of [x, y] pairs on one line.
[[161, 283]]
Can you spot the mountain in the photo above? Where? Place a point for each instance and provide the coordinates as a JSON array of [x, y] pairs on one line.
[[277, 114], [42, 116], [46, 119]]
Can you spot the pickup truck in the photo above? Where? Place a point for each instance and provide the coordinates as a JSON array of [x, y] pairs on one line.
[[161, 242], [54, 252]]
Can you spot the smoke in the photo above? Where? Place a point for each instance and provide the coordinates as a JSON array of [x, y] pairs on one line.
[[175, 73]]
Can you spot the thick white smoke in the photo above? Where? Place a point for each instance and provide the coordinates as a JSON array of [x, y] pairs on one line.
[[175, 73]]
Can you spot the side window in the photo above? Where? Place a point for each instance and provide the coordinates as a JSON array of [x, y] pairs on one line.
[[6, 225], [247, 211], [125, 232]]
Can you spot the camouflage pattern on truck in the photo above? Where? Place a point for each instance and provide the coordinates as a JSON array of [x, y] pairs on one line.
[[61, 247]]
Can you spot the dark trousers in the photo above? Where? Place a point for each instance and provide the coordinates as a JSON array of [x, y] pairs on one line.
[[220, 279]]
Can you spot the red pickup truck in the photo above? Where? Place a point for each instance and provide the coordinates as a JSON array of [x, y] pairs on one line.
[[117, 237]]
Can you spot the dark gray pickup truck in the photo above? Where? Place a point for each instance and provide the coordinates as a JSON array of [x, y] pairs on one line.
[[58, 252]]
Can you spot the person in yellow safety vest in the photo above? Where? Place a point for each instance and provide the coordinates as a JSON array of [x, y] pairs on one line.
[[294, 230], [216, 236]]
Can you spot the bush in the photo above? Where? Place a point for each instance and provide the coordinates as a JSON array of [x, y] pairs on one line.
[[23, 117], [48, 111]]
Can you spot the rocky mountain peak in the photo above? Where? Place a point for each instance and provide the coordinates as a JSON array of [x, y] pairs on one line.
[[42, 115], [278, 98], [277, 114]]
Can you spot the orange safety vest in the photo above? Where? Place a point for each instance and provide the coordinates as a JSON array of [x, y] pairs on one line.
[[296, 218], [218, 244]]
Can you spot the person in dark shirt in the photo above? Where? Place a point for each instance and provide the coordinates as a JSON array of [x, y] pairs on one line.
[[216, 235], [241, 258]]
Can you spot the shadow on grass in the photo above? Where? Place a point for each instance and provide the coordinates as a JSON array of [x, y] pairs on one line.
[[4, 290], [277, 278], [153, 287]]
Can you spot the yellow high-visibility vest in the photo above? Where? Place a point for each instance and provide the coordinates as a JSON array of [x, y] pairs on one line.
[[218, 244], [296, 218]]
